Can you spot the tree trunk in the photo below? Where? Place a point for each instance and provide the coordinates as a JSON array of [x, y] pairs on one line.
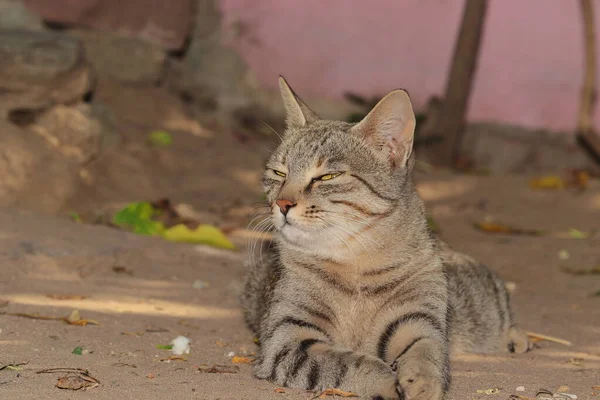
[[450, 124], [585, 127]]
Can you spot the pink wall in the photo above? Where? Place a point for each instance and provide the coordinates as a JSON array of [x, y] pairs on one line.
[[530, 65]]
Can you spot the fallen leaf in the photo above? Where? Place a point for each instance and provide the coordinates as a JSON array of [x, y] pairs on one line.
[[160, 138], [279, 390], [150, 376], [140, 333], [76, 217], [13, 366], [164, 346], [173, 358], [119, 269], [491, 227], [242, 360], [138, 218], [221, 343], [576, 361], [489, 391], [203, 234], [548, 182], [219, 369], [75, 319], [120, 364], [65, 297], [334, 392], [78, 350], [580, 271], [562, 388], [76, 378]]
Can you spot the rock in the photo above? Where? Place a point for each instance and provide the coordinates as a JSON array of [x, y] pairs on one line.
[[40, 69], [74, 131], [502, 148], [124, 59], [34, 176], [14, 15]]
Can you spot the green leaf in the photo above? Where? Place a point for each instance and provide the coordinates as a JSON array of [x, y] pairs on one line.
[[76, 217], [164, 346], [138, 218], [78, 351], [577, 234], [204, 234], [160, 138]]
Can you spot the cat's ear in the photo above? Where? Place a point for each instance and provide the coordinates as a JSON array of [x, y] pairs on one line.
[[297, 113], [391, 126]]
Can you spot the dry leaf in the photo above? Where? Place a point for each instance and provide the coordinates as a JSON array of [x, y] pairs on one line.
[[491, 227], [241, 360], [221, 343], [65, 297], [13, 366], [132, 333], [119, 269], [489, 391], [173, 358], [580, 271], [334, 392], [75, 319], [279, 390], [562, 388], [219, 369], [548, 182], [120, 364], [76, 378], [150, 376]]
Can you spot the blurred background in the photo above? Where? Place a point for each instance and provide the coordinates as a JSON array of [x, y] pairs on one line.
[[157, 116]]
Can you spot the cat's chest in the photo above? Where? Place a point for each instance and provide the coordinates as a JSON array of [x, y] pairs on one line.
[[354, 322]]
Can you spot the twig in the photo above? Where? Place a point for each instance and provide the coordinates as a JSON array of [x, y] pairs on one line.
[[548, 338]]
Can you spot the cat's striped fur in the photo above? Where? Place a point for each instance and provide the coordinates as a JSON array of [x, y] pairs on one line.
[[356, 293]]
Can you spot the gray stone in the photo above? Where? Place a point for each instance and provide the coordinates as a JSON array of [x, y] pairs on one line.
[[14, 15], [40, 69], [502, 148], [125, 59]]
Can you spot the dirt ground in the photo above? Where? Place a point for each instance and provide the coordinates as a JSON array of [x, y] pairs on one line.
[[141, 290]]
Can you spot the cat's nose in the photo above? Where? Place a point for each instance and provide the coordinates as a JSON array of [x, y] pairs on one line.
[[284, 205]]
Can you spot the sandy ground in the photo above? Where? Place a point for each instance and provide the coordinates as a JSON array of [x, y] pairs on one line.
[[154, 300]]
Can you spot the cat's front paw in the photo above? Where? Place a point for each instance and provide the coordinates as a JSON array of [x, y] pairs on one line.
[[421, 382], [518, 341]]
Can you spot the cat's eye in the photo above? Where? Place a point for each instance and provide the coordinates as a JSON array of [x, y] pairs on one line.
[[279, 173], [328, 177]]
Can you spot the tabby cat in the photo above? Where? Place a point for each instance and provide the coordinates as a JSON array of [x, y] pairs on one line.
[[356, 292]]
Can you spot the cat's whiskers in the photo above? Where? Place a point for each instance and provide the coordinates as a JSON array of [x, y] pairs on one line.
[[261, 227]]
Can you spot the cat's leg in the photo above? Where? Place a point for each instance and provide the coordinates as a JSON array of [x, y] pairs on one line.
[[417, 349], [299, 355]]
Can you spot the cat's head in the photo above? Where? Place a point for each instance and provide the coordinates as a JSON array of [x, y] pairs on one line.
[[330, 183]]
